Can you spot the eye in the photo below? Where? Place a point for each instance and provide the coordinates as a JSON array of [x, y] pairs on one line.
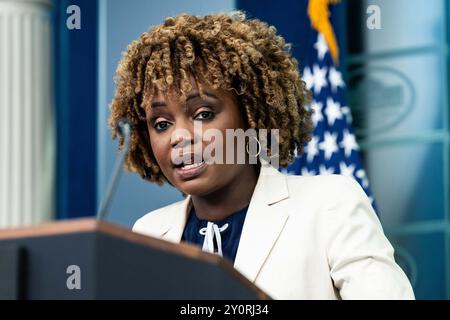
[[204, 115], [161, 125]]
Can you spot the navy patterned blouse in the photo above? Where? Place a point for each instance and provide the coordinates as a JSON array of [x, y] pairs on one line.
[[220, 237]]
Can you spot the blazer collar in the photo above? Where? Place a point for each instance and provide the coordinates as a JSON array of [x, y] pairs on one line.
[[263, 223]]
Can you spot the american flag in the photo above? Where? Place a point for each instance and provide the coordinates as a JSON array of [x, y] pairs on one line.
[[333, 148]]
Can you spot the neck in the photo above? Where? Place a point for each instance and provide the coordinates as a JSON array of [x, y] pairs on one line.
[[221, 203]]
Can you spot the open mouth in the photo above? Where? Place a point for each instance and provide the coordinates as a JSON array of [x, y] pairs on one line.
[[190, 161], [191, 166], [187, 166]]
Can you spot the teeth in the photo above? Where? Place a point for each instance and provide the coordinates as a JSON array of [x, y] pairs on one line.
[[188, 159], [191, 166]]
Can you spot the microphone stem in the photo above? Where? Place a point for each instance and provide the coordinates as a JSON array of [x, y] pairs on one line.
[[112, 184]]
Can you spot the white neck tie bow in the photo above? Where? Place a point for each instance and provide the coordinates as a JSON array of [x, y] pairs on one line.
[[210, 232]]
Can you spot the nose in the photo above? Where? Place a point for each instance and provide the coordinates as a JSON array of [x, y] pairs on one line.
[[182, 136]]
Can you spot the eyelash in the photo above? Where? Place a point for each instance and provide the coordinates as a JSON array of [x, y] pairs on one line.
[[210, 113]]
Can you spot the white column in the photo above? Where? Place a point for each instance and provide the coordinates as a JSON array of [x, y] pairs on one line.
[[27, 139]]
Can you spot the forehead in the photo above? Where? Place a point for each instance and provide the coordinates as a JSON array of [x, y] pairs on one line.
[[224, 100], [172, 97]]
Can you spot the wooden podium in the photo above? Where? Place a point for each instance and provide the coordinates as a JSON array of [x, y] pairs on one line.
[[87, 259]]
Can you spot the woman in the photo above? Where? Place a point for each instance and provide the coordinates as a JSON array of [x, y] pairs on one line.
[[295, 237]]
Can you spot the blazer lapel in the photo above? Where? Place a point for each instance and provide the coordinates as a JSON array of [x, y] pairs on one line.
[[263, 223], [177, 221]]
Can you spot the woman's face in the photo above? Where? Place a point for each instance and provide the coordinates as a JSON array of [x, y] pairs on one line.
[[171, 130]]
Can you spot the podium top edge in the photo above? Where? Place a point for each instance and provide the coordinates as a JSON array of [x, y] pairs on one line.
[[55, 228], [92, 225], [85, 225]]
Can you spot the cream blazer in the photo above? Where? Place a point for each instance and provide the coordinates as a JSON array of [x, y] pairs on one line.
[[304, 238]]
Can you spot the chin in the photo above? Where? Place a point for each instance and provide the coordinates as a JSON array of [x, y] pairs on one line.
[[200, 186], [195, 187]]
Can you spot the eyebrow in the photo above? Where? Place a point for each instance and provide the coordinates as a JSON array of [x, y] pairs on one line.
[[193, 95]]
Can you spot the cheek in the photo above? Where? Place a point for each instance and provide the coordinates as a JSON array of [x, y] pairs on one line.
[[159, 147]]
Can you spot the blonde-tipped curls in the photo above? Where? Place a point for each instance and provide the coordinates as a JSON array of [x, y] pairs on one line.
[[224, 51]]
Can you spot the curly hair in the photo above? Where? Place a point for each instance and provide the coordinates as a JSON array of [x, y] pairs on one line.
[[225, 51]]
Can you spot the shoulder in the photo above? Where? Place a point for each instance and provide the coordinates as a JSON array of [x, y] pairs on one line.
[[154, 221], [328, 199], [331, 188], [336, 202], [331, 180]]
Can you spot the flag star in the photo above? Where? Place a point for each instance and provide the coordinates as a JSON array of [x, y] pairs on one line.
[[349, 143], [335, 78], [308, 78], [307, 173], [324, 171], [347, 114], [321, 46], [346, 170], [319, 75], [333, 111], [361, 174], [329, 145], [312, 149], [317, 116]]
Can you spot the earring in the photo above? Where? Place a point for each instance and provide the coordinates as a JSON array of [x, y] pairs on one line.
[[259, 147]]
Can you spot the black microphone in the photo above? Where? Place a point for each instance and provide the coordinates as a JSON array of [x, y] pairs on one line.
[[124, 128]]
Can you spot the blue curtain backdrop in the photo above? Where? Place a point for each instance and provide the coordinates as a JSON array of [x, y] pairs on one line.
[[75, 56]]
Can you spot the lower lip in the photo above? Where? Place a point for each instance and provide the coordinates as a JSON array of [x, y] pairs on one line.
[[185, 174]]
